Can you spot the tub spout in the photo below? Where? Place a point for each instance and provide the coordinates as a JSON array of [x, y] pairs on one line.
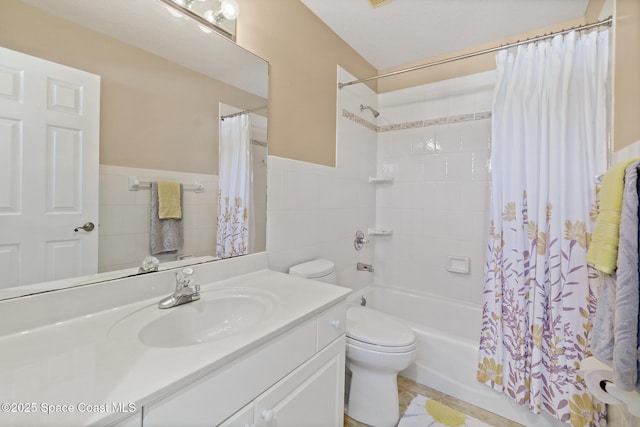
[[364, 267]]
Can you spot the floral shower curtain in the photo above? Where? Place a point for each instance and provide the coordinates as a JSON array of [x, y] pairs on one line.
[[549, 142], [234, 193]]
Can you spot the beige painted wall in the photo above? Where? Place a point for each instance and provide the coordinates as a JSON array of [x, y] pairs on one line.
[[626, 92], [594, 8], [154, 113], [303, 55]]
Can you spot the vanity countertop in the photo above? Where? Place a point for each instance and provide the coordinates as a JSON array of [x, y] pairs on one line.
[[80, 365]]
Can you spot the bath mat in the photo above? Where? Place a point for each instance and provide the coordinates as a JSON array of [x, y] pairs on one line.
[[423, 412]]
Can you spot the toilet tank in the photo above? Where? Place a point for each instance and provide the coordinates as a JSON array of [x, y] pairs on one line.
[[317, 269]]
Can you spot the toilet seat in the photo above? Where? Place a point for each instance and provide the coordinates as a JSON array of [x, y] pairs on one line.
[[377, 331], [313, 269], [381, 348]]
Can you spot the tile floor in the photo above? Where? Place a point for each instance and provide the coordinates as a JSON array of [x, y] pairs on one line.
[[408, 389]]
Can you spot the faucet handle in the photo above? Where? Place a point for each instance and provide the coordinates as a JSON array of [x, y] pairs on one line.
[[149, 264], [183, 277]]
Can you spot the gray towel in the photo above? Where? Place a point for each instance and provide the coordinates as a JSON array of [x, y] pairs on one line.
[[602, 339], [625, 348], [167, 235]]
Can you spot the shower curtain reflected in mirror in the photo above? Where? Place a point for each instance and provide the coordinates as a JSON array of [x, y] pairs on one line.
[[549, 141], [234, 196]]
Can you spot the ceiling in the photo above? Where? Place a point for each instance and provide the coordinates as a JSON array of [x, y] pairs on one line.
[[402, 31]]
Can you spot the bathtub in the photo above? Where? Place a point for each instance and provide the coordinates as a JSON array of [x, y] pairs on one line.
[[447, 334]]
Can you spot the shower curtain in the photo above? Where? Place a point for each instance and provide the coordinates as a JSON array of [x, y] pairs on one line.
[[549, 142], [234, 193]]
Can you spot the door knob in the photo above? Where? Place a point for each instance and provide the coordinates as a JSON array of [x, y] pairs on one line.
[[88, 226]]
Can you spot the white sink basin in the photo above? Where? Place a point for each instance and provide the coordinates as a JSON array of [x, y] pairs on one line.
[[217, 314]]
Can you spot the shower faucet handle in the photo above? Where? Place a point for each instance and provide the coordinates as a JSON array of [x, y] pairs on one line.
[[359, 241]]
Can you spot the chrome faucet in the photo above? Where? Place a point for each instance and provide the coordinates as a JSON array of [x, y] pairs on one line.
[[185, 292]]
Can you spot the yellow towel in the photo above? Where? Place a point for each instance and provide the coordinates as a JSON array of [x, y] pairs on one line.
[[169, 200], [603, 251]]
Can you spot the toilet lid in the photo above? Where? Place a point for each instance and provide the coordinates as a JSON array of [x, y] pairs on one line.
[[313, 269], [373, 327]]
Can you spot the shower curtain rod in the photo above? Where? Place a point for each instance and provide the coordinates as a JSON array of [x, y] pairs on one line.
[[606, 21], [239, 113]]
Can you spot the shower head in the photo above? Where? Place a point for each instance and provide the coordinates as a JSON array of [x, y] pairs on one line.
[[366, 107]]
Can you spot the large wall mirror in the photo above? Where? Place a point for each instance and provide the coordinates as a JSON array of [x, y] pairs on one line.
[[132, 93]]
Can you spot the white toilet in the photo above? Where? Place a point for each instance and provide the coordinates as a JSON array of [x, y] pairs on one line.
[[378, 347]]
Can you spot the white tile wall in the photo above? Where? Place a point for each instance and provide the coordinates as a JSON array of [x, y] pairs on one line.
[[437, 206], [124, 216], [258, 236], [314, 211]]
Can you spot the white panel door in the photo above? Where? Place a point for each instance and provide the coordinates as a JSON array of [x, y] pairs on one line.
[[49, 155]]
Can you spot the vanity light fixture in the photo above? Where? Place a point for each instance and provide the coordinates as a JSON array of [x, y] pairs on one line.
[[218, 15], [228, 10]]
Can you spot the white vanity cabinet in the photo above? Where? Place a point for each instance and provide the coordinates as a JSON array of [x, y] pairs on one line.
[[312, 395], [242, 418], [134, 420], [295, 379]]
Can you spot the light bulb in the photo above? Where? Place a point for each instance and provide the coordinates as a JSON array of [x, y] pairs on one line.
[[229, 9], [210, 16]]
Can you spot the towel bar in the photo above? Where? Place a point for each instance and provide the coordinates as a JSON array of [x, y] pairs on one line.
[[135, 184]]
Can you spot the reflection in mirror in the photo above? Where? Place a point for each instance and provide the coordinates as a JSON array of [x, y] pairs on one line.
[[152, 102], [242, 162]]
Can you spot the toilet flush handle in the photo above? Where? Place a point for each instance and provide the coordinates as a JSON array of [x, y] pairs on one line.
[[336, 323]]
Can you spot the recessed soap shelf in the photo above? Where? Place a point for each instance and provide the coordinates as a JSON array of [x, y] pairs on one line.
[[380, 232], [380, 179], [458, 264]]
